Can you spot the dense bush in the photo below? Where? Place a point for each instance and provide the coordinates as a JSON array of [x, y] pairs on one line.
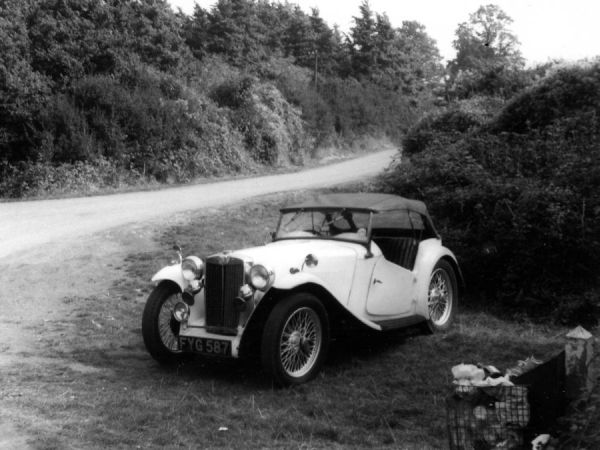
[[272, 128], [344, 110], [522, 211], [298, 87], [565, 92], [363, 108], [446, 127], [40, 178]]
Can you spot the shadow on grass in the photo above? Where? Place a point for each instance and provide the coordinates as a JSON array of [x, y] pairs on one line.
[[367, 344]]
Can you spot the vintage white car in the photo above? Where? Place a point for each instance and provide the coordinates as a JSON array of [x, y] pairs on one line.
[[335, 261]]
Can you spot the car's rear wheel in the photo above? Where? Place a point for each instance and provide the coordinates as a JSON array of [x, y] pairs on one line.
[[159, 329], [442, 297], [295, 339]]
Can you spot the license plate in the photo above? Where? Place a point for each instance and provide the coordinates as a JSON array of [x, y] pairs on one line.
[[205, 346]]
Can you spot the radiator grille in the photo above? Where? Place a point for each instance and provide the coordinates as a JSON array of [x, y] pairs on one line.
[[224, 277]]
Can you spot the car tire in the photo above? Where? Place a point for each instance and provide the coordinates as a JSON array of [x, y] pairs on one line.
[[442, 297], [159, 329], [295, 339]]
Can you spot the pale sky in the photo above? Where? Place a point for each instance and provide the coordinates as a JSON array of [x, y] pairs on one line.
[[547, 29]]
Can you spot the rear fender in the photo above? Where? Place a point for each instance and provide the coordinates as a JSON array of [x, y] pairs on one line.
[[172, 273], [430, 252]]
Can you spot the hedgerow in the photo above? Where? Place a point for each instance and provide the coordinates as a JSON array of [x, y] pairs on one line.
[[521, 210], [162, 94]]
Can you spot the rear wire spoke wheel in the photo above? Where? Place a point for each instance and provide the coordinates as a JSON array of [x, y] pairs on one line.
[[295, 339], [159, 329], [442, 297]]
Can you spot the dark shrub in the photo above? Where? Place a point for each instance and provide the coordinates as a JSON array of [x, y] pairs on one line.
[[234, 93], [298, 87], [273, 130], [363, 108], [566, 92], [447, 126], [521, 211]]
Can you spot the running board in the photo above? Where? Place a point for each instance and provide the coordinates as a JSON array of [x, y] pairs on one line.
[[392, 324]]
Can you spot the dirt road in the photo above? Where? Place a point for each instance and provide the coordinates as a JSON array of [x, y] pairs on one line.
[[27, 224]]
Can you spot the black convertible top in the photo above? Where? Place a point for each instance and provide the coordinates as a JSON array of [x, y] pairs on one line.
[[361, 201]]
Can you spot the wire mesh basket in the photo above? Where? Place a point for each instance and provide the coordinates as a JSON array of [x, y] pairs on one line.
[[485, 418]]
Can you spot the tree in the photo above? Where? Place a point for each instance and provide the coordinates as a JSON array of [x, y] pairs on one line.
[[236, 32], [362, 41], [23, 91], [423, 59], [195, 29], [486, 41], [398, 59], [487, 54]]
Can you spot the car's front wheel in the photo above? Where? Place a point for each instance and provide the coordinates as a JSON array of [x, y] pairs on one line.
[[159, 329], [442, 297], [295, 339]]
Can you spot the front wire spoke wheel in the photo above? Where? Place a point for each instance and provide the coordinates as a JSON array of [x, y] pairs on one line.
[[168, 327], [295, 339], [300, 342], [159, 329]]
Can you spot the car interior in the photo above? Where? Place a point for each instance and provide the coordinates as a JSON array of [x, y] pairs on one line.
[[400, 243]]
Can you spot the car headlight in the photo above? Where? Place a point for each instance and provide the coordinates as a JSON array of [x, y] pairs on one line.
[[192, 268], [181, 312], [260, 277]]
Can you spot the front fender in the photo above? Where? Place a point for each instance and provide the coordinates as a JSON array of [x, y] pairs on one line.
[[290, 281], [172, 273]]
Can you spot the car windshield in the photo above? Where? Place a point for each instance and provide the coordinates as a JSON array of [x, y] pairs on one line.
[[339, 224]]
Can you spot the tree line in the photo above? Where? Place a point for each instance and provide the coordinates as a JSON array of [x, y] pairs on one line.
[[100, 93], [107, 92]]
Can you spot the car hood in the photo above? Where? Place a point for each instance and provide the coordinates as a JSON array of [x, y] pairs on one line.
[[334, 270], [291, 253]]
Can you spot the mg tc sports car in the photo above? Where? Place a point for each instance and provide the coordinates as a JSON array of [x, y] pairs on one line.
[[370, 259]]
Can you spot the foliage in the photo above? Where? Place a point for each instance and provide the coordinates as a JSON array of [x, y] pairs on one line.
[[39, 178], [23, 91], [447, 127], [487, 60], [135, 84], [273, 130], [297, 85], [404, 60], [521, 210], [563, 93], [486, 41], [368, 109]]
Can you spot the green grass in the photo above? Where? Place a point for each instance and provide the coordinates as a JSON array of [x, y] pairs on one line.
[[101, 389]]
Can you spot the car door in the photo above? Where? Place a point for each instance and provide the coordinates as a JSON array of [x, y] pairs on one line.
[[391, 290]]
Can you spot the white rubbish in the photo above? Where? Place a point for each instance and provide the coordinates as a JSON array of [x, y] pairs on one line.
[[472, 375], [223, 428], [469, 372], [540, 442]]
